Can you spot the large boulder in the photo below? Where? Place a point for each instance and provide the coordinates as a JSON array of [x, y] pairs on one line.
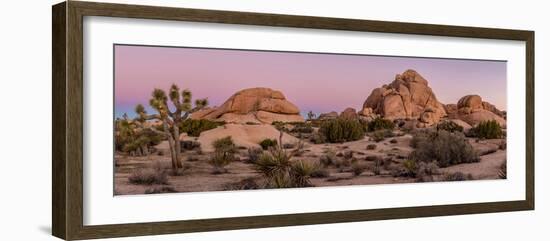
[[473, 110], [349, 113], [407, 97], [257, 105]]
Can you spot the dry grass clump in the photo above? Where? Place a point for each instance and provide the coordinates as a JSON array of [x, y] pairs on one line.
[[160, 189], [457, 176], [149, 176]]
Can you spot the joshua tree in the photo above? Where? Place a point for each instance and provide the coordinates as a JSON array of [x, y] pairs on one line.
[[171, 120], [310, 115]]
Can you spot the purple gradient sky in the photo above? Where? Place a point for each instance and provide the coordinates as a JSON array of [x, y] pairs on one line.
[[317, 82]]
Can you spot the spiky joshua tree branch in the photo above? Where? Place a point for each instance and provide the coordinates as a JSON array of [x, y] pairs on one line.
[[171, 119]]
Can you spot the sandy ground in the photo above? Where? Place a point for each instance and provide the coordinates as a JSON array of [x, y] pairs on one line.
[[198, 174]]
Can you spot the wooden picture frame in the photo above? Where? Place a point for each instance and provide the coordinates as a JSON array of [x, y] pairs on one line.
[[67, 124]]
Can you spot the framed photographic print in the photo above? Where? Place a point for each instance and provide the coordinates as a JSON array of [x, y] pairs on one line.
[[171, 120]]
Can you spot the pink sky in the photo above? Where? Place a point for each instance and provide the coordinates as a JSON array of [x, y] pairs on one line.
[[312, 81]]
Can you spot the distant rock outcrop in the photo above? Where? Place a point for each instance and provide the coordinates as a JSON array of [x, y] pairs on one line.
[[257, 105], [328, 116], [407, 97], [472, 109]]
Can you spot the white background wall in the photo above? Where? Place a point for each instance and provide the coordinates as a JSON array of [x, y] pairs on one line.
[[25, 136]]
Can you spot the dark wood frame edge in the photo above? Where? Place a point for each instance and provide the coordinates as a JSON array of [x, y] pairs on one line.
[[67, 47]]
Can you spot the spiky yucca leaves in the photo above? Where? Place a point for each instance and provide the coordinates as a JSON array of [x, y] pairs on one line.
[[280, 172], [171, 119]]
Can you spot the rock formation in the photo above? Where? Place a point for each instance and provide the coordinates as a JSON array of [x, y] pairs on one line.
[[407, 97], [328, 116], [349, 113], [472, 109], [257, 105]]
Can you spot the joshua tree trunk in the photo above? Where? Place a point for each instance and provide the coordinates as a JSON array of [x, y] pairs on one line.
[[177, 144], [172, 143]]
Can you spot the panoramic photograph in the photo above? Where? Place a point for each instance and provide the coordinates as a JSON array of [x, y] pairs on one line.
[[202, 119]]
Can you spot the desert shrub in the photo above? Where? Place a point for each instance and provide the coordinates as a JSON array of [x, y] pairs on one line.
[[189, 145], [410, 167], [320, 172], [393, 141], [457, 176], [161, 189], [380, 135], [288, 145], [267, 143], [502, 145], [248, 183], [376, 168], [371, 146], [254, 154], [358, 168], [301, 127], [379, 124], [219, 160], [149, 176], [224, 144], [348, 154], [449, 126], [487, 130], [224, 153], [387, 163], [442, 146], [195, 127], [372, 158], [318, 138], [329, 158], [342, 130], [502, 170]]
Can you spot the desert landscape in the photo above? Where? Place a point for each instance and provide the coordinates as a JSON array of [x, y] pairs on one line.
[[259, 139]]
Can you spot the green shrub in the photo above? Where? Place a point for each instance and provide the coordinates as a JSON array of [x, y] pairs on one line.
[[342, 130], [224, 153], [449, 126], [225, 144], [301, 127], [380, 135], [380, 124], [267, 143], [442, 146], [194, 127], [487, 130]]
